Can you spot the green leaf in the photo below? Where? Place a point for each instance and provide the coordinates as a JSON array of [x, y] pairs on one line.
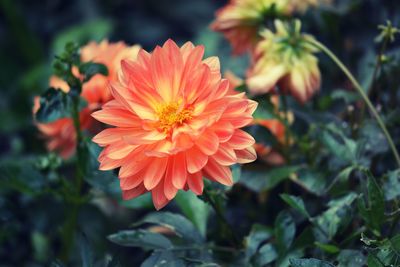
[[194, 209], [284, 231], [309, 263], [261, 180], [40, 245], [339, 145], [284, 260], [348, 257], [177, 223], [54, 105], [328, 247], [257, 235], [373, 261], [392, 185], [344, 174], [266, 255], [140, 238], [337, 215], [89, 69], [395, 243], [313, 181], [163, 258], [86, 251], [296, 203], [374, 210], [376, 200]]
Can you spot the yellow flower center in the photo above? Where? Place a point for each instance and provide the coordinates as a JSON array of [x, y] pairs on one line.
[[171, 115]]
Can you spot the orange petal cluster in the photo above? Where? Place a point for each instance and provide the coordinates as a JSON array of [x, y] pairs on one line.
[[60, 134], [175, 123]]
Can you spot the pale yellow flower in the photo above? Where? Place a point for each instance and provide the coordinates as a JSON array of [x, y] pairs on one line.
[[285, 59]]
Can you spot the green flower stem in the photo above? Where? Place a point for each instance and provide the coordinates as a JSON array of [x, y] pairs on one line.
[[361, 91], [79, 142], [221, 218], [71, 223]]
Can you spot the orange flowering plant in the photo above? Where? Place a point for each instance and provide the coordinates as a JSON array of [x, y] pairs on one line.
[[60, 134], [238, 140]]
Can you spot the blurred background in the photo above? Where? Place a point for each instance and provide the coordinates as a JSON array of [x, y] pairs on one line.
[[33, 32]]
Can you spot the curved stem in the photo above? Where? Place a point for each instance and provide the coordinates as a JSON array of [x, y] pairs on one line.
[[362, 93]]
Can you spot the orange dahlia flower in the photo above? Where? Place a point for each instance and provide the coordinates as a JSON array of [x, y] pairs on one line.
[[60, 134], [286, 59], [174, 123]]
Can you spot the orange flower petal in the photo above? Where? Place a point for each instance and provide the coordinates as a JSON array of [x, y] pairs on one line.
[[215, 171], [241, 140], [155, 172], [195, 182], [195, 160], [132, 193]]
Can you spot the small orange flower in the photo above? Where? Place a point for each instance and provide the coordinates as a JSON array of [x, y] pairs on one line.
[[60, 134], [286, 59], [174, 123]]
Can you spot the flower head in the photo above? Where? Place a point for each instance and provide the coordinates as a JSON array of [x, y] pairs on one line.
[[174, 123], [286, 59], [60, 134], [241, 20]]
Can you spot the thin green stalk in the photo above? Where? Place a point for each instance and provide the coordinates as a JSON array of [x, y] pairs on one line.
[[361, 91], [71, 223], [79, 140], [222, 218]]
